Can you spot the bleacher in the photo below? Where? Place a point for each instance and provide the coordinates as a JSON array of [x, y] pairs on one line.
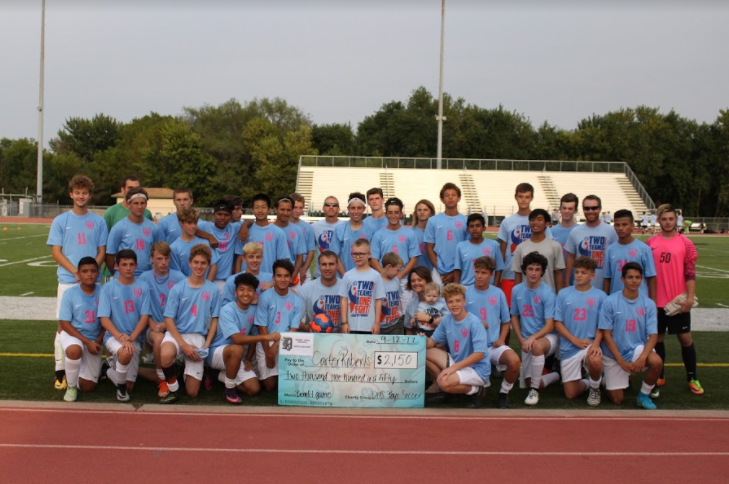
[[490, 191]]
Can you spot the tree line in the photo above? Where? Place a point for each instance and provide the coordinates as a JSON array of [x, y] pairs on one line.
[[245, 148]]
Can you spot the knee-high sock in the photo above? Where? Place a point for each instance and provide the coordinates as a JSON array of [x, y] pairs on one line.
[[537, 368], [121, 372], [73, 367], [58, 353], [688, 353]]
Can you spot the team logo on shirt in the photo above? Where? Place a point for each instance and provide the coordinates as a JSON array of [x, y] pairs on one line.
[[362, 236], [593, 246], [360, 298], [464, 332], [518, 235], [206, 296], [289, 305], [325, 239], [328, 304], [292, 234], [492, 300], [170, 284], [402, 238], [89, 224], [486, 251], [422, 247], [137, 291], [591, 301], [269, 237], [226, 236], [633, 252], [640, 312], [250, 319], [390, 308], [146, 231], [242, 331], [537, 299], [459, 224]]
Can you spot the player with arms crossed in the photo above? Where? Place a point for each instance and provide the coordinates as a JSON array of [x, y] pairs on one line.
[[576, 315], [74, 235], [675, 259], [191, 304], [629, 328], [82, 334]]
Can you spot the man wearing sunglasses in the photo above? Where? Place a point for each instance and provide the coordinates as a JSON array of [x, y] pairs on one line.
[[324, 228], [590, 239]]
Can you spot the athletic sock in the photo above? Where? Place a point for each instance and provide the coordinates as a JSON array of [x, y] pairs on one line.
[[229, 383], [646, 388], [595, 383], [73, 367], [548, 379], [58, 356], [688, 353], [506, 386], [537, 368], [121, 372], [474, 390], [171, 375], [586, 382], [161, 374], [661, 351], [112, 375], [221, 377]]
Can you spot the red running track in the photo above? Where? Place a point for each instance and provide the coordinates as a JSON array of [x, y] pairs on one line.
[[59, 446]]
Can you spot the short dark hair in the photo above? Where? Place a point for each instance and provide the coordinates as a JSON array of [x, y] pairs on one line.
[[534, 258], [375, 191], [524, 188], [475, 217], [632, 265], [261, 197], [394, 201], [182, 190], [624, 214], [222, 204], [585, 262], [129, 178], [569, 198], [234, 200], [125, 254], [449, 186], [87, 261], [592, 197], [540, 211], [485, 262], [328, 253], [358, 196], [284, 263], [284, 198], [246, 279], [134, 191], [423, 272]]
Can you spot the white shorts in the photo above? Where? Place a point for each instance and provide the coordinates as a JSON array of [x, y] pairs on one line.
[[90, 364], [468, 376], [615, 377], [59, 296], [147, 333], [495, 355], [572, 367], [220, 283], [192, 368], [264, 371], [217, 363], [112, 346], [526, 358]]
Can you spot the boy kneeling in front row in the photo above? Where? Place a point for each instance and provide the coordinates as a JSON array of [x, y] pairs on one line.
[[466, 369]]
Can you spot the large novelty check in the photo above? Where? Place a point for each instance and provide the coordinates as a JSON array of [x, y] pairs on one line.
[[348, 370]]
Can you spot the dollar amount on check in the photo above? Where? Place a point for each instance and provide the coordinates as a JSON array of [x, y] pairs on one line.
[[347, 370]]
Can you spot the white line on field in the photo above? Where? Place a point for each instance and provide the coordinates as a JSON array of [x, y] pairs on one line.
[[722, 305], [26, 237], [27, 294], [712, 268], [26, 260]]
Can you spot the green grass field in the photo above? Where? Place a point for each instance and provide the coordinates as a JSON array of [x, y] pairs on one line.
[[27, 269], [31, 378]]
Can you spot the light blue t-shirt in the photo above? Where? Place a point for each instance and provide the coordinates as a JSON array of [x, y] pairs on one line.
[[168, 228], [306, 231], [343, 242], [533, 306], [180, 255], [273, 242], [124, 305], [631, 322], [227, 240], [317, 298], [78, 236], [489, 307], [191, 308], [295, 243], [160, 287], [278, 313], [513, 230], [579, 312], [229, 288], [561, 234], [323, 235], [467, 253], [233, 320], [446, 232], [592, 242], [617, 255], [80, 310], [413, 306], [423, 260], [401, 241], [464, 338], [137, 237], [391, 309], [375, 224], [361, 289]]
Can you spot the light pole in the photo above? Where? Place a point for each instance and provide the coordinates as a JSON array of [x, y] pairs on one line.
[[39, 184], [440, 88]]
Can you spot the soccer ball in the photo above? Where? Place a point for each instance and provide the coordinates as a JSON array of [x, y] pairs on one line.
[[321, 323]]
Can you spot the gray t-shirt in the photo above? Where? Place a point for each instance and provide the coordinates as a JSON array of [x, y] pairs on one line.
[[549, 248], [361, 289], [323, 232], [318, 298]]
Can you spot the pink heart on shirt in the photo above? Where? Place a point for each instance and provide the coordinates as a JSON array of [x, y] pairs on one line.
[[146, 231], [137, 291], [633, 252], [269, 237], [89, 224], [486, 251], [289, 305], [640, 312], [537, 299], [492, 300], [459, 224], [464, 332]]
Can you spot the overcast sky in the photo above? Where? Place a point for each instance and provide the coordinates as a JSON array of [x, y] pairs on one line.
[[340, 61]]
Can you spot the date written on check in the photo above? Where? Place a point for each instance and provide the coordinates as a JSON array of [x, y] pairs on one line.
[[396, 359]]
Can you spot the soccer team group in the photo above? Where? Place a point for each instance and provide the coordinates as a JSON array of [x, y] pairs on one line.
[[208, 301]]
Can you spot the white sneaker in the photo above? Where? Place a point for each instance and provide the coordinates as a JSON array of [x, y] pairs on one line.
[[594, 398], [71, 394], [532, 398], [121, 393]]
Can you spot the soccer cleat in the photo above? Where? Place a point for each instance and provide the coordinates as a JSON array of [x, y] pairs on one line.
[[163, 389], [504, 400], [170, 398], [474, 401], [231, 396], [208, 382], [593, 397], [71, 394], [696, 387], [121, 392], [656, 392], [440, 397], [533, 397], [60, 385], [644, 400], [661, 382]]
